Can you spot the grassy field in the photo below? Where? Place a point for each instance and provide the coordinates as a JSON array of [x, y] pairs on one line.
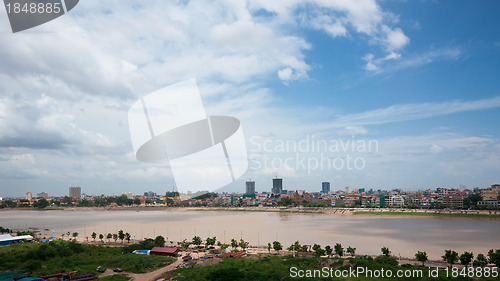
[[115, 277], [280, 268], [429, 214], [64, 256]]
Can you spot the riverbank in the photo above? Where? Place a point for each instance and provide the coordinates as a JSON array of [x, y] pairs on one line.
[[470, 214], [332, 211]]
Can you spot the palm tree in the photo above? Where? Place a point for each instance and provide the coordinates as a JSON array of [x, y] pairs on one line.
[[385, 251], [121, 235], [94, 235], [328, 250], [338, 249], [351, 250]]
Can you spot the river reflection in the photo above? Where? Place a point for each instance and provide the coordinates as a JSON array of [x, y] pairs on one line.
[[403, 235]]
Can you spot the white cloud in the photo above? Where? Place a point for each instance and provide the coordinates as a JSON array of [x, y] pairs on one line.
[[373, 64], [446, 53], [404, 112], [285, 74], [415, 60], [353, 130], [394, 38], [436, 149]]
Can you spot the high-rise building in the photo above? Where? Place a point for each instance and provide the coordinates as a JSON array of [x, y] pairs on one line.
[[151, 194], [29, 196], [325, 187], [75, 192], [277, 186], [250, 188], [347, 189], [44, 195]]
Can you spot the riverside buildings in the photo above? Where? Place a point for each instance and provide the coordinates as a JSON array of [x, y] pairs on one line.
[[75, 192], [250, 187], [277, 186]]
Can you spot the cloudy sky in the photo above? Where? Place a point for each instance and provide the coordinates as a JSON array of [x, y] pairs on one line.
[[417, 78]]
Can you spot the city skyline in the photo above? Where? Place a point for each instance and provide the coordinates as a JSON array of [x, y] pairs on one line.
[[397, 94], [250, 185]]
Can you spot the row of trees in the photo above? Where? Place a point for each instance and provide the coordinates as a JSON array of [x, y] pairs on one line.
[[41, 203], [115, 236], [452, 257]]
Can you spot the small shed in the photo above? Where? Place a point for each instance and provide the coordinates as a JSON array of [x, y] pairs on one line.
[[162, 251], [6, 239]]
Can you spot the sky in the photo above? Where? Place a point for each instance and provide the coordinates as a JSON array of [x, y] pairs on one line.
[[367, 94]]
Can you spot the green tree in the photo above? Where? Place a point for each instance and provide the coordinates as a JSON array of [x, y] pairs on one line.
[[109, 236], [318, 251], [137, 201], [450, 257], [385, 251], [75, 234], [234, 244], [338, 249], [351, 250], [127, 237], [185, 243], [197, 240], [328, 250], [160, 241], [480, 261], [295, 246], [421, 257], [84, 203], [242, 244], [277, 246], [466, 258], [8, 204], [473, 199], [101, 237], [115, 236], [41, 203], [94, 235], [269, 247], [494, 257], [285, 201], [121, 235], [211, 241]]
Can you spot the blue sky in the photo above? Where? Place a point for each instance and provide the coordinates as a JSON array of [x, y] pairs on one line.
[[418, 77]]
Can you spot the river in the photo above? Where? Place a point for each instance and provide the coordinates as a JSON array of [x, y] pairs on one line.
[[404, 235]]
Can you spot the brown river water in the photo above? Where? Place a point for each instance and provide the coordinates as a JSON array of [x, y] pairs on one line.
[[404, 235]]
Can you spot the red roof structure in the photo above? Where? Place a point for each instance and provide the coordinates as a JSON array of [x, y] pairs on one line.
[[233, 255], [162, 251]]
